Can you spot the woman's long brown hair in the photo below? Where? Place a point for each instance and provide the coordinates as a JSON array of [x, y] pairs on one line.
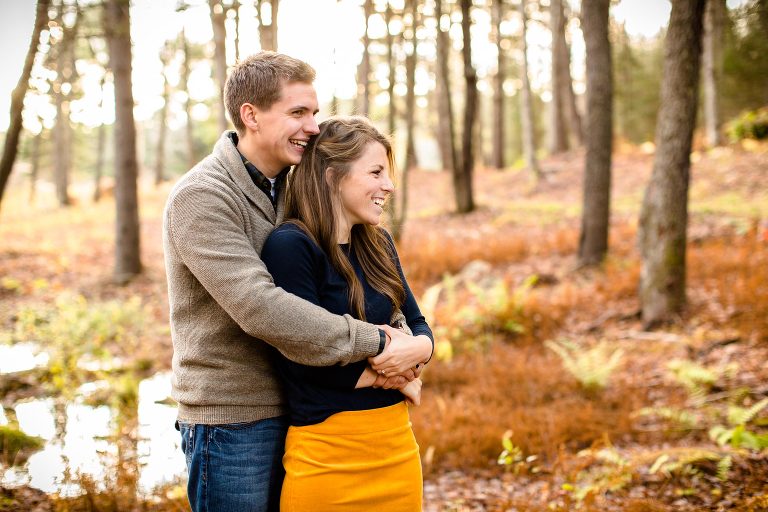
[[310, 199]]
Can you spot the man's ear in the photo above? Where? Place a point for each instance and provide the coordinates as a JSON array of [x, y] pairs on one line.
[[248, 114]]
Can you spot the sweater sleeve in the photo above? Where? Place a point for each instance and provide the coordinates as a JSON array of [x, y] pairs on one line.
[[205, 227], [297, 265]]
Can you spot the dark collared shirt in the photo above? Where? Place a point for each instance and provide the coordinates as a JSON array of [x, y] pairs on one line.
[[261, 181]]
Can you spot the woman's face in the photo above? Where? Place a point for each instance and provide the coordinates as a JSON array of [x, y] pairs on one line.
[[364, 189]]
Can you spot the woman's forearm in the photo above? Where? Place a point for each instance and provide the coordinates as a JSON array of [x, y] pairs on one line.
[[367, 378]]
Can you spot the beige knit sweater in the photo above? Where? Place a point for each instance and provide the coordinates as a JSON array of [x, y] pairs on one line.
[[223, 302]]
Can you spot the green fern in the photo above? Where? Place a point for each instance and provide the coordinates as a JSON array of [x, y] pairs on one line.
[[737, 435], [696, 378], [592, 367], [724, 467], [742, 415], [681, 418]]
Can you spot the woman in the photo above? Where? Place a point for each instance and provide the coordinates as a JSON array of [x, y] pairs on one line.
[[350, 445]]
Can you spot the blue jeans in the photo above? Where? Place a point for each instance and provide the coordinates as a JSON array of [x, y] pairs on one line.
[[235, 467]]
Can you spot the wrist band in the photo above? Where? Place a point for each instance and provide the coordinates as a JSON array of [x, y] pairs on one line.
[[382, 341], [433, 350]]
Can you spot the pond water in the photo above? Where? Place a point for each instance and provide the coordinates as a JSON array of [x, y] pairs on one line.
[[85, 443]]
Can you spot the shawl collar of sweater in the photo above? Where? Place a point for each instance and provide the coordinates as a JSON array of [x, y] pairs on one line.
[[229, 158]]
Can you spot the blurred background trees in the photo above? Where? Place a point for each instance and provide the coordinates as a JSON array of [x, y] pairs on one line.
[[458, 83]]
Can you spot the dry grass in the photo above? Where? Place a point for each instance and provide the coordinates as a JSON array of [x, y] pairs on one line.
[[729, 274], [474, 400]]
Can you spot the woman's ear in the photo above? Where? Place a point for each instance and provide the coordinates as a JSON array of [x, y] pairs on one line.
[[330, 174], [248, 116]]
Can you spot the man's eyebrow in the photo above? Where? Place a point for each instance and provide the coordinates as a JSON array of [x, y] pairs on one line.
[[303, 108]]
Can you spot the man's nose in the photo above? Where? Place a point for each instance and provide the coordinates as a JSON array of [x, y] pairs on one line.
[[311, 126]]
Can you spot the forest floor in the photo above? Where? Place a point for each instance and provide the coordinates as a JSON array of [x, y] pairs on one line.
[[499, 286]]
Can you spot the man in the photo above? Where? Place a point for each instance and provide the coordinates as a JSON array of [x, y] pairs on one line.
[[226, 314]]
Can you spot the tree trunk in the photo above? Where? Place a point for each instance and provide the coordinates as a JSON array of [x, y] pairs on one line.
[[391, 111], [99, 170], [445, 103], [497, 153], [410, 117], [568, 97], [184, 85], [236, 9], [11, 147], [100, 147], [558, 139], [62, 143], [34, 170], [364, 69], [267, 31], [526, 103], [218, 18], [462, 180], [334, 104], [593, 242], [165, 57], [127, 254], [63, 134], [712, 62], [664, 214]]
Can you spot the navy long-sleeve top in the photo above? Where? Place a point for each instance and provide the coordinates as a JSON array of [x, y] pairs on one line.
[[299, 266]]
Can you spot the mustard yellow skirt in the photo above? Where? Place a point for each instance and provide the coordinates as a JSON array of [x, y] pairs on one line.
[[353, 461]]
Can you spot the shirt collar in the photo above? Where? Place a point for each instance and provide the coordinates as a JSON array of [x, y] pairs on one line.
[[258, 178]]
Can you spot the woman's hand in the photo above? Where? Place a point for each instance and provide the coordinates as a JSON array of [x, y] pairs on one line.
[[412, 392], [402, 353]]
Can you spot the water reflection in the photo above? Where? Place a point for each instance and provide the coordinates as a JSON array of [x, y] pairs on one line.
[[21, 357], [87, 445], [160, 456]]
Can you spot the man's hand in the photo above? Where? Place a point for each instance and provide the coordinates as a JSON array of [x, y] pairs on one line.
[[402, 353], [396, 381]]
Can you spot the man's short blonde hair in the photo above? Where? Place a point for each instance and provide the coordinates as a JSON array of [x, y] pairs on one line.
[[259, 80]]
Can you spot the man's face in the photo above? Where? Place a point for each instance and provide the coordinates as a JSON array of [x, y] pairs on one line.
[[285, 128]]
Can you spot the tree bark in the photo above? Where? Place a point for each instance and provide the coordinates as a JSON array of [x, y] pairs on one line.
[[218, 18], [364, 69], [11, 147], [127, 245], [165, 57], [101, 143], [267, 31], [100, 147], [568, 97], [497, 152], [714, 17], [526, 103], [62, 131], [34, 170], [189, 129], [392, 110], [462, 180], [558, 139], [664, 214], [236, 9], [401, 208], [595, 220], [445, 102]]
